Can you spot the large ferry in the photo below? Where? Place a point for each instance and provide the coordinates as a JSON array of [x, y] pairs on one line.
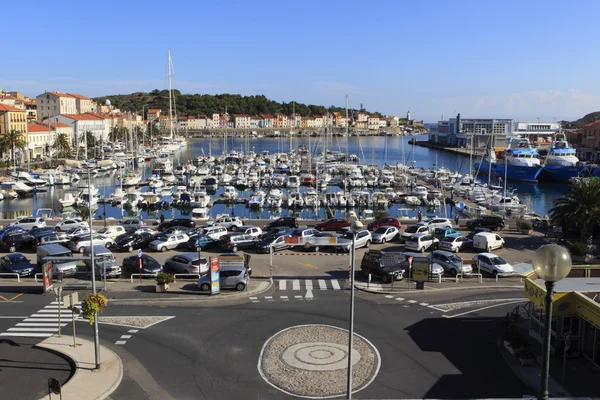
[[561, 162], [521, 161]]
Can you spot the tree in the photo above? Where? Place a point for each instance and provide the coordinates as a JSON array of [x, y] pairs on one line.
[[12, 141], [62, 145], [578, 210]]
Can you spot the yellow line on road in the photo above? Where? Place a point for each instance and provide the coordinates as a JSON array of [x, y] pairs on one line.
[[19, 295], [307, 265], [3, 298]]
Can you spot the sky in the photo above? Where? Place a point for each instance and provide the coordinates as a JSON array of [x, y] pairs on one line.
[[485, 59]]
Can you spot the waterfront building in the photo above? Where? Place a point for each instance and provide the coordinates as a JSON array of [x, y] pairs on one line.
[[537, 132], [339, 120], [589, 150], [266, 121], [282, 120], [82, 104], [373, 123], [153, 114], [98, 125], [392, 120], [51, 104], [57, 127], [255, 122], [9, 100], [182, 123], [475, 132], [362, 117], [360, 124], [241, 121], [31, 108], [13, 118], [215, 121], [39, 139]]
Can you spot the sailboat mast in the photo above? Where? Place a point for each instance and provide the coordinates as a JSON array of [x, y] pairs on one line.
[[490, 155], [170, 98]]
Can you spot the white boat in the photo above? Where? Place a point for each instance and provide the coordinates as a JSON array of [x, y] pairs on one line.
[[419, 191], [412, 201], [256, 201], [28, 179], [380, 200], [295, 200], [69, 200], [341, 199], [274, 198], [20, 188], [330, 200], [200, 213], [311, 199], [89, 196], [230, 193], [64, 179], [155, 183], [132, 179], [226, 179], [149, 199], [293, 182], [132, 199]]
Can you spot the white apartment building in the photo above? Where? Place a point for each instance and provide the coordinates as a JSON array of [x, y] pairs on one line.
[[373, 123], [242, 121], [254, 122], [39, 140], [81, 123], [215, 121], [82, 103]]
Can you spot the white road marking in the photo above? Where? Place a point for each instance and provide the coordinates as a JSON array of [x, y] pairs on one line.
[[389, 296], [26, 334], [284, 297], [253, 298], [309, 295], [132, 331], [12, 317], [335, 284], [269, 297], [399, 298], [62, 311], [255, 301], [296, 284], [41, 320], [44, 315], [298, 297], [405, 306], [121, 342], [485, 308], [423, 304], [308, 284], [33, 329], [412, 301], [125, 336], [282, 284], [38, 324], [322, 284]]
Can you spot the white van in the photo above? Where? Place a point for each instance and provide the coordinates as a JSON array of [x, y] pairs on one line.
[[487, 241]]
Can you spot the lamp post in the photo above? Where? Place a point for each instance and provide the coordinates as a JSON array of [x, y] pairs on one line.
[[551, 263], [356, 226]]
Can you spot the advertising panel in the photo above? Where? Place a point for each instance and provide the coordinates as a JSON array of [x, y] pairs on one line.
[[214, 275], [47, 271]]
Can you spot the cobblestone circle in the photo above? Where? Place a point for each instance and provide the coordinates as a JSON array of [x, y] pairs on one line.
[[312, 361]]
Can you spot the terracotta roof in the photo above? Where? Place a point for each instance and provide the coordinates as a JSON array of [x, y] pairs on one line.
[[78, 96], [59, 94], [84, 117], [37, 128], [6, 107]]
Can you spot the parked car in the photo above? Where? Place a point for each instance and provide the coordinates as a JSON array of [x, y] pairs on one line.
[[421, 242], [450, 262], [333, 224], [237, 241], [279, 230], [493, 222], [144, 229], [130, 242], [198, 240], [437, 223], [304, 232], [68, 224], [229, 278], [28, 223], [169, 242], [16, 240], [275, 242], [372, 263], [385, 234], [185, 222], [80, 242], [10, 229], [53, 238], [113, 231], [386, 221], [455, 243], [250, 230], [65, 267], [104, 262], [215, 232], [79, 230], [187, 263], [16, 263], [289, 222], [229, 222], [487, 241], [475, 231], [177, 230], [149, 265], [363, 239], [43, 231], [442, 233], [434, 268], [411, 230], [134, 223], [493, 264]]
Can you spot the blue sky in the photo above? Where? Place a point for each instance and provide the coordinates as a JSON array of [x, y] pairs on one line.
[[521, 59]]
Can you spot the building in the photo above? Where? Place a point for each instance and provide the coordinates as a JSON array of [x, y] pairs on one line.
[[362, 117], [282, 120], [392, 120], [241, 121], [31, 108], [255, 122], [296, 120], [267, 121], [39, 140], [373, 123], [82, 103], [537, 132], [13, 118], [50, 104], [153, 114], [339, 120], [477, 133], [98, 125], [215, 121]]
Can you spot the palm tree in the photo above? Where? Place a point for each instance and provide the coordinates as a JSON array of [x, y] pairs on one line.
[[578, 210], [11, 141], [62, 144]]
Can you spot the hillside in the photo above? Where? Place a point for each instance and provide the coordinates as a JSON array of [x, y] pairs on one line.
[[193, 104], [591, 117]]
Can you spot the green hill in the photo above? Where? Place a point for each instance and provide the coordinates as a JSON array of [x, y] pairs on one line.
[[591, 117], [194, 104]]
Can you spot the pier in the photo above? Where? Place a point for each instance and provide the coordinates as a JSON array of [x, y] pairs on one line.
[[455, 150]]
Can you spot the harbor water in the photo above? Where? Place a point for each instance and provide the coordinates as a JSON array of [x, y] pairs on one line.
[[372, 150]]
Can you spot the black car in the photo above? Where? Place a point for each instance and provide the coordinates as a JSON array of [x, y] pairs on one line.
[[198, 240], [16, 264], [15, 241], [10, 230], [185, 222], [133, 242], [290, 222], [43, 231], [384, 267], [149, 265], [493, 222]]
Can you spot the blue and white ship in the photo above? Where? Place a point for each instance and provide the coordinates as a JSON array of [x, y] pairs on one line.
[[561, 162], [521, 161]]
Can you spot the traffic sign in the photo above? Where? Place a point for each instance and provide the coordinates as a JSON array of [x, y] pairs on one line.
[[139, 253]]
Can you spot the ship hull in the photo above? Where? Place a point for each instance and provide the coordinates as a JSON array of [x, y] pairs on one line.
[[561, 173], [514, 172]]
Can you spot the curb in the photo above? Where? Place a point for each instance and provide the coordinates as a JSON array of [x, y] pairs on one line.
[[416, 291]]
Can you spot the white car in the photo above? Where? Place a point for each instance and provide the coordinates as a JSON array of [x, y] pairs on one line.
[[80, 242], [411, 230], [229, 222], [68, 224], [493, 264], [421, 242], [385, 234], [214, 232], [170, 242], [132, 223], [363, 239], [250, 230], [29, 223], [438, 223], [112, 231]]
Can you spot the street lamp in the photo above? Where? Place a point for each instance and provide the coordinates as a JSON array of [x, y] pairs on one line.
[[356, 226], [551, 263]]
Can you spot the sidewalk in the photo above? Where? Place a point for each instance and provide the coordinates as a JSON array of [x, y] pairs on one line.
[[403, 286], [86, 382]]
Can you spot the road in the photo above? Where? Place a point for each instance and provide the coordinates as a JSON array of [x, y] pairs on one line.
[[427, 347]]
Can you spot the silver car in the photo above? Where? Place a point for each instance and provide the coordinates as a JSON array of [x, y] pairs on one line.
[[80, 242], [452, 263], [385, 234], [187, 263], [170, 242], [229, 278]]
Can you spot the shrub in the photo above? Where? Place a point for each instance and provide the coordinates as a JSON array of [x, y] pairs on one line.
[[579, 249], [163, 278], [92, 304], [524, 224], [380, 214]]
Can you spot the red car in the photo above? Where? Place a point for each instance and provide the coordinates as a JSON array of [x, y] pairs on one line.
[[334, 224], [387, 221]]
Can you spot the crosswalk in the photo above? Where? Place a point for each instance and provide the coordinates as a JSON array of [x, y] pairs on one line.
[[409, 302], [308, 284], [43, 323]]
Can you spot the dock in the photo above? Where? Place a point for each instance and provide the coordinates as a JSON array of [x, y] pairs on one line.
[[455, 150]]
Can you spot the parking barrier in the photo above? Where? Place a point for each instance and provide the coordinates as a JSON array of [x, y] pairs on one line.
[[36, 276], [197, 276], [479, 276], [12, 274], [142, 275], [504, 274]]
